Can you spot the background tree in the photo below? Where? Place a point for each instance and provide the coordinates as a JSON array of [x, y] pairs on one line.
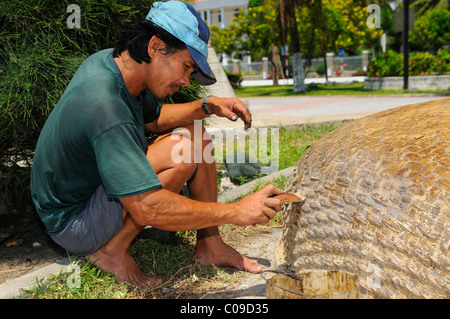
[[355, 35], [254, 32], [224, 40], [431, 31], [329, 25], [319, 25], [422, 6], [255, 3], [297, 61]]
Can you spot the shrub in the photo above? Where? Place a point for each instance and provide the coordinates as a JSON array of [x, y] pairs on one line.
[[443, 61], [320, 69], [359, 72], [431, 31], [389, 65], [235, 79], [32, 83], [420, 63]]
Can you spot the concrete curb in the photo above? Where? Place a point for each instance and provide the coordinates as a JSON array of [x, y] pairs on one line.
[[12, 289], [236, 193]]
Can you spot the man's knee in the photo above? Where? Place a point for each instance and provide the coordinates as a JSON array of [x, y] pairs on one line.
[[196, 142], [183, 152], [197, 133]]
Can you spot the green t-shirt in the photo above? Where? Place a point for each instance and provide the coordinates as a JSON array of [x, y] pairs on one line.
[[94, 135]]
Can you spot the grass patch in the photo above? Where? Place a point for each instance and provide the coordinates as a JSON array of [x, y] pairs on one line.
[[183, 276], [295, 140], [79, 280], [173, 262], [320, 90], [292, 142]]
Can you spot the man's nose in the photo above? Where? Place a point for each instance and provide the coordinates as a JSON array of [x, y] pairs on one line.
[[186, 79]]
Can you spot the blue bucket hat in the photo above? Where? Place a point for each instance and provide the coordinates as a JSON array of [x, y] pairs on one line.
[[182, 21]]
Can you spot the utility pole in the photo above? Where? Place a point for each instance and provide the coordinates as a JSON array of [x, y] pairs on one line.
[[405, 43]]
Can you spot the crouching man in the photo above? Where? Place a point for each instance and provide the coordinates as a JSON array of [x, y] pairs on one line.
[[97, 182]]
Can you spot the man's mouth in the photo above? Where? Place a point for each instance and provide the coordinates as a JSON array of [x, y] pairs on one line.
[[175, 89]]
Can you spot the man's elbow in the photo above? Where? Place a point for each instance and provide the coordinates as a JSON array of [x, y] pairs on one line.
[[152, 128], [142, 214]]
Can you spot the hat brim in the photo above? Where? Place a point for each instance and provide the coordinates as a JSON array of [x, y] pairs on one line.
[[204, 75]]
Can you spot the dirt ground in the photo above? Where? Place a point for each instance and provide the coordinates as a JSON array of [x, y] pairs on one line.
[[24, 246]]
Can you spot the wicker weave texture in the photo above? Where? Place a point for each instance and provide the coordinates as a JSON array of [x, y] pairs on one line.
[[378, 194]]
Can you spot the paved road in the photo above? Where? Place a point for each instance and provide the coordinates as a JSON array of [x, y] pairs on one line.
[[297, 110], [327, 105]]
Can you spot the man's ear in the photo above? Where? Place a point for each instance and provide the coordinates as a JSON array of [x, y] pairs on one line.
[[154, 45]]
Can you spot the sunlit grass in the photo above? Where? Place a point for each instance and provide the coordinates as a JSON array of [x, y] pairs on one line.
[[320, 90]]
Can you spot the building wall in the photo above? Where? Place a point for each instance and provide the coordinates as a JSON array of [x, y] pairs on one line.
[[220, 12]]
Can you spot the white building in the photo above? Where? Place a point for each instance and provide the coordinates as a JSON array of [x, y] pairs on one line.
[[220, 12]]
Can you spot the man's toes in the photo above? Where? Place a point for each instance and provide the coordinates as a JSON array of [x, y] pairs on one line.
[[153, 282], [252, 265]]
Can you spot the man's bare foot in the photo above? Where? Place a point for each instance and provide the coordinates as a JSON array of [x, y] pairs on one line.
[[124, 267], [213, 251]]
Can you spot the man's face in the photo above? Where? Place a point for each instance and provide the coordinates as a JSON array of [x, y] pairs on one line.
[[168, 73]]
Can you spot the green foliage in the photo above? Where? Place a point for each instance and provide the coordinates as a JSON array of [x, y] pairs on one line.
[[235, 79], [88, 281], [420, 63], [389, 65], [253, 32], [431, 31], [39, 54], [256, 31], [320, 26], [320, 69], [324, 26], [255, 3], [223, 40], [443, 61], [295, 140], [422, 6]]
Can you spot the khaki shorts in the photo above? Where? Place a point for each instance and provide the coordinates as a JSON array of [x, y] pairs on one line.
[[94, 226]]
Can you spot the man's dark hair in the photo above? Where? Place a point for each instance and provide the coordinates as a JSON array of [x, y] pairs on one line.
[[135, 40]]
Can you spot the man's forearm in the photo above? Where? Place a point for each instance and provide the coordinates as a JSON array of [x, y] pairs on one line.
[[176, 115], [170, 211]]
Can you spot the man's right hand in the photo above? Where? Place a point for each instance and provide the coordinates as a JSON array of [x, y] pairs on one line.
[[258, 208]]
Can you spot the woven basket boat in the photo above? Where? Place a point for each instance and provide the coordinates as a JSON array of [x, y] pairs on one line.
[[377, 206]]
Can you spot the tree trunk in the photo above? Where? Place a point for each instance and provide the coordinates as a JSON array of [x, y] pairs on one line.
[[297, 61], [298, 72], [275, 65]]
